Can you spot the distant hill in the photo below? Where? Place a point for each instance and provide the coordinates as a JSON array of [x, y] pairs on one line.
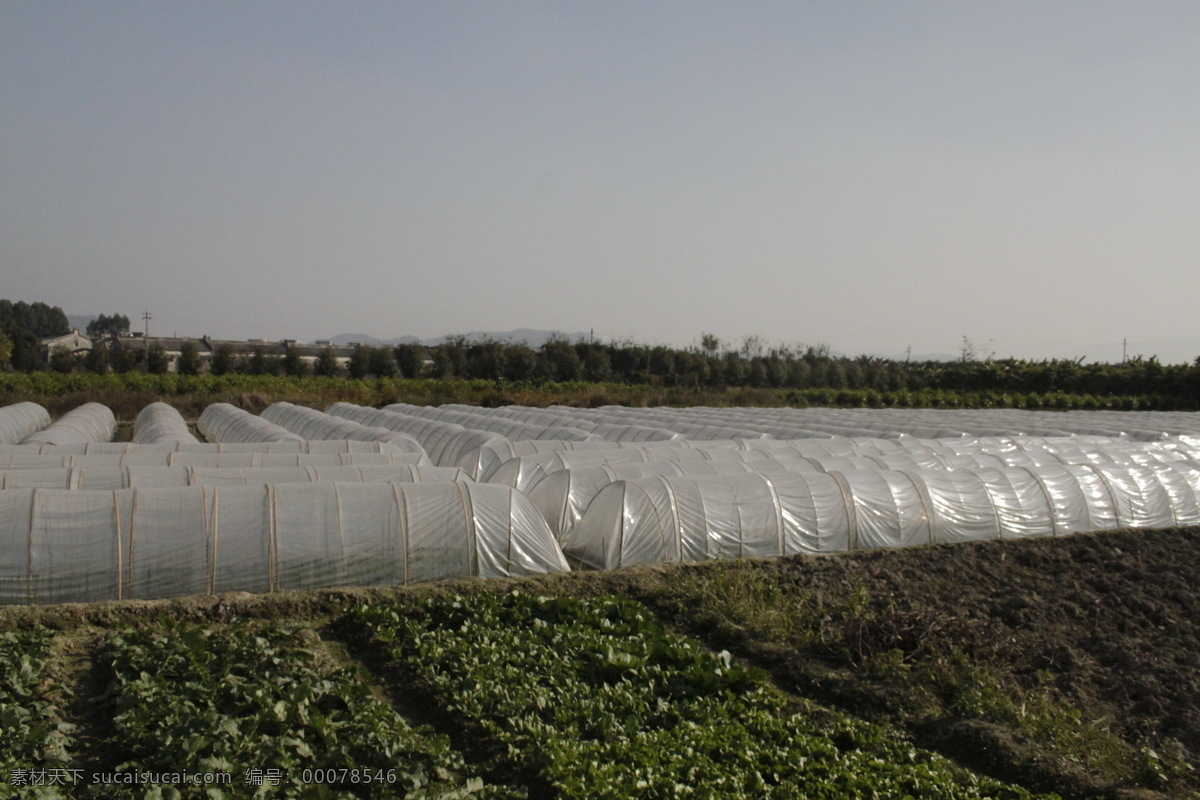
[[531, 337], [343, 339]]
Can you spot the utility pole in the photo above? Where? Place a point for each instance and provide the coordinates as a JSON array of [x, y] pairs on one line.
[[146, 317], [1124, 350]]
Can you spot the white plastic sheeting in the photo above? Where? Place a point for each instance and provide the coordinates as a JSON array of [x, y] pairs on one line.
[[20, 420], [60, 546], [479, 427], [223, 422], [451, 450], [207, 458], [650, 520], [311, 424], [90, 422], [134, 448], [431, 433], [563, 496], [126, 477], [524, 472], [160, 423], [399, 473], [482, 419], [472, 446], [110, 477], [249, 459], [484, 460], [792, 423], [654, 488], [331, 451], [680, 518]]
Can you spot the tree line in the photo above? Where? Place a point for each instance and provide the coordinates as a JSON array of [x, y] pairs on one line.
[[22, 325], [711, 364], [800, 368]]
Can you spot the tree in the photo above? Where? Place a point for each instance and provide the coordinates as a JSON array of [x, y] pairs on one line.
[[116, 325], [360, 362], [520, 362], [486, 360], [222, 363], [752, 346], [26, 353], [122, 358], [97, 359], [410, 359], [38, 318], [61, 359], [597, 367], [189, 359], [6, 349], [380, 362], [737, 371], [326, 364], [157, 361], [968, 352], [293, 364], [560, 362], [661, 361], [263, 364], [450, 358]]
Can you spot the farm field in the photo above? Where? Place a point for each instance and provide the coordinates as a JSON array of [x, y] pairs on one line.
[[957, 603], [991, 669]]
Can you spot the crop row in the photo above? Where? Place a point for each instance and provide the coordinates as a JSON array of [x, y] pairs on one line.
[[34, 741], [549, 697], [259, 706], [592, 699]]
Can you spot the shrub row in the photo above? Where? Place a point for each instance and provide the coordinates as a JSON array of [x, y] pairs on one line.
[[126, 394]]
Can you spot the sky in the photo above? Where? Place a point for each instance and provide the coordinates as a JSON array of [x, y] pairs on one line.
[[1022, 177]]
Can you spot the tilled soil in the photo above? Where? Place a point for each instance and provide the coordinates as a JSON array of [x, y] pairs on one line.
[[1110, 621]]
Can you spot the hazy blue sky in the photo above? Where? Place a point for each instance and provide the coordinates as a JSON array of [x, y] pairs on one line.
[[868, 175]]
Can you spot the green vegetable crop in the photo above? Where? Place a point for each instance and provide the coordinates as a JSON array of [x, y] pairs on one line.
[[32, 739], [594, 700], [256, 704]]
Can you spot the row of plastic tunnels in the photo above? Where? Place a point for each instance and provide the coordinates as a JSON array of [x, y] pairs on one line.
[[297, 498]]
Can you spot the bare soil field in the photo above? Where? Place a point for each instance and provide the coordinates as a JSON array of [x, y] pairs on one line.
[[1067, 665]]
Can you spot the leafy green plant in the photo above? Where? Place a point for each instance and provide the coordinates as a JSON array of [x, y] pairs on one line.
[[595, 700], [240, 699], [33, 738]]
